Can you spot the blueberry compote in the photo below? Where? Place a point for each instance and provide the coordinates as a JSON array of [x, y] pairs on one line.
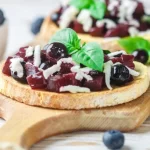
[[55, 69], [119, 17]]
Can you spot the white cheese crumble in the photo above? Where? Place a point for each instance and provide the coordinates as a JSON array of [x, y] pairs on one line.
[[68, 16], [29, 51], [109, 23], [57, 67], [81, 73], [133, 31], [16, 66], [134, 22], [116, 53], [74, 89], [85, 19], [51, 71], [133, 72], [126, 10], [107, 71], [112, 5], [37, 56], [65, 3]]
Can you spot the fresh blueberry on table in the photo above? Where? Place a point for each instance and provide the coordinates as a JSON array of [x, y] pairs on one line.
[[113, 139], [36, 25], [2, 18]]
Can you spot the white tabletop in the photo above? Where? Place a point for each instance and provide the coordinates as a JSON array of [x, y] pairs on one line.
[[20, 14]]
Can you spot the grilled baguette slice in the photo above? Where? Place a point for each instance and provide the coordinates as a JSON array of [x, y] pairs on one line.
[[119, 95]]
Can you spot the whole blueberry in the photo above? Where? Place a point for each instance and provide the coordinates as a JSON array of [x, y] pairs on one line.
[[140, 55], [36, 25], [113, 139], [2, 18]]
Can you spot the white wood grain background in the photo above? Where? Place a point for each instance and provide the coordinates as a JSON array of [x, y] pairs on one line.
[[20, 14]]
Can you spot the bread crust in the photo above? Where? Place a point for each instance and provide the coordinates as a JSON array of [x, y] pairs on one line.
[[119, 95], [49, 28]]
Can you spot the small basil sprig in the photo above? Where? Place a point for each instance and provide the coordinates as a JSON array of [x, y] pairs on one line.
[[96, 7], [69, 38], [90, 54], [130, 44], [81, 4], [98, 10]]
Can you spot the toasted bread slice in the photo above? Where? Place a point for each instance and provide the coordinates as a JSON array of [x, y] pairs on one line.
[[49, 28], [119, 95]]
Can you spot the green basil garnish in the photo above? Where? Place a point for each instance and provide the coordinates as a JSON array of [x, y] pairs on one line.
[[91, 55], [96, 7], [81, 4], [98, 10], [69, 38], [130, 44]]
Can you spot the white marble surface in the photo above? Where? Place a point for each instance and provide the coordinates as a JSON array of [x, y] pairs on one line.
[[20, 14]]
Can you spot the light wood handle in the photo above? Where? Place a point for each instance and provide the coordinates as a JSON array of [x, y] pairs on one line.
[[27, 125]]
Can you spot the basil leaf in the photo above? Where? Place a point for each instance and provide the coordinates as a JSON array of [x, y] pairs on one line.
[[69, 38], [81, 4], [91, 55], [98, 10], [146, 18], [130, 44]]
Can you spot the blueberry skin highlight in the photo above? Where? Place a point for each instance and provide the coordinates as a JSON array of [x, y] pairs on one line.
[[36, 25], [113, 139]]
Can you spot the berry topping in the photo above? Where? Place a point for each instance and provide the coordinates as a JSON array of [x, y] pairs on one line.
[[58, 81], [2, 18], [6, 68], [119, 74], [113, 139], [57, 50], [37, 81], [36, 25], [95, 84], [16, 75], [141, 56]]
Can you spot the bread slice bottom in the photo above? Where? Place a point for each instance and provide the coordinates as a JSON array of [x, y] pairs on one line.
[[119, 95]]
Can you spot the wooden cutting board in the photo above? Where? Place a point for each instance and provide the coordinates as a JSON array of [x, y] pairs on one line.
[[26, 125]]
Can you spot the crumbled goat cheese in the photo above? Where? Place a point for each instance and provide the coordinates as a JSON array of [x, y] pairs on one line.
[[68, 16], [116, 53], [126, 10], [57, 67], [144, 33], [133, 31], [134, 22], [112, 5], [37, 56], [107, 71], [74, 89], [16, 66], [81, 73], [133, 72], [65, 3], [109, 23], [29, 51], [51, 71], [85, 19]]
